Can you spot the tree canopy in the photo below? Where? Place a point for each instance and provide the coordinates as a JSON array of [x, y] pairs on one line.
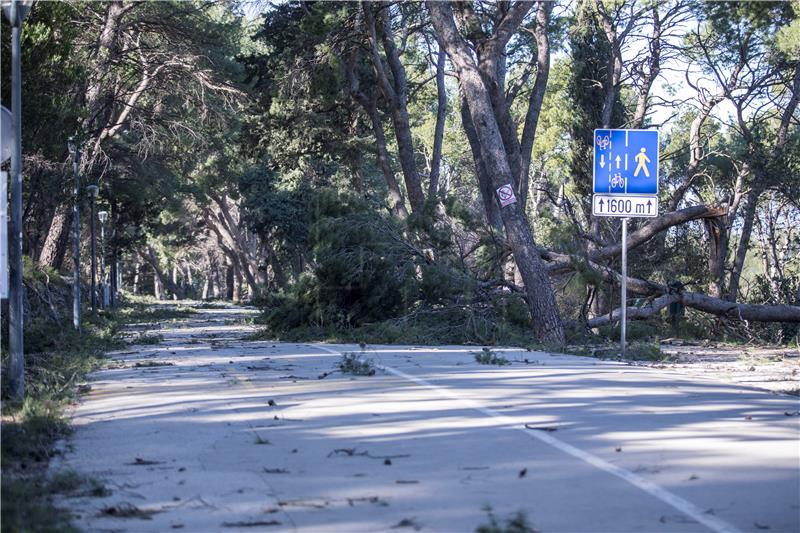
[[339, 162]]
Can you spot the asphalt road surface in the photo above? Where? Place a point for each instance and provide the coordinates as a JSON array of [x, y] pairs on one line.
[[209, 432]]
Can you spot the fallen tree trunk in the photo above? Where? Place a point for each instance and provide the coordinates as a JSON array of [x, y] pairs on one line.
[[656, 226], [707, 304], [645, 311], [728, 309]]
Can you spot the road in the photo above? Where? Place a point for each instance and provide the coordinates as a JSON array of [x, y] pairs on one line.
[[209, 432]]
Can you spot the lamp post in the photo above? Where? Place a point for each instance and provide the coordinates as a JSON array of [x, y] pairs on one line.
[[103, 216], [75, 152], [93, 190], [16, 11]]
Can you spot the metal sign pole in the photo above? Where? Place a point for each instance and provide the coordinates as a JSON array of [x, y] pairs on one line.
[[76, 252], [624, 284], [16, 315]]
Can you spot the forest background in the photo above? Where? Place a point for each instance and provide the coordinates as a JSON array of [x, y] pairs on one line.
[[336, 163]]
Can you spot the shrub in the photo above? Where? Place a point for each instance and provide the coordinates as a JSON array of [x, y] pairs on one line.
[[351, 363], [488, 357]]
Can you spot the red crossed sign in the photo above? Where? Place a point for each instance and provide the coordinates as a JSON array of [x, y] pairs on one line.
[[506, 195]]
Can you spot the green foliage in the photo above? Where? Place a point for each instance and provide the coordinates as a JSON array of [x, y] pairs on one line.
[[27, 506], [352, 363], [635, 330], [144, 338], [516, 524], [56, 360], [775, 291], [488, 357], [141, 310], [364, 271], [641, 351]]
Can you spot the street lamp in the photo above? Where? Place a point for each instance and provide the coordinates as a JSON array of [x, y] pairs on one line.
[[93, 190], [16, 11], [75, 152], [103, 216]]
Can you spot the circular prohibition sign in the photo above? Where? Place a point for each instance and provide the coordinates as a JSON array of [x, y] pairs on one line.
[[505, 193]]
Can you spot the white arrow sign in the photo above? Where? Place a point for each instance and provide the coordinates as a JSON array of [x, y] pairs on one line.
[[611, 205]]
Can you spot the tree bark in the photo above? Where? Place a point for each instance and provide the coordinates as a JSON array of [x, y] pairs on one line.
[[708, 304], [228, 232], [136, 276], [536, 98], [229, 280], [484, 180], [395, 92], [652, 72], [614, 68], [175, 281], [657, 225], [749, 216], [395, 194], [717, 234], [158, 291], [57, 241], [438, 133], [547, 323], [149, 256]]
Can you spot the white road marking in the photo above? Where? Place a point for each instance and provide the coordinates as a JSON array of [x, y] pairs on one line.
[[682, 505]]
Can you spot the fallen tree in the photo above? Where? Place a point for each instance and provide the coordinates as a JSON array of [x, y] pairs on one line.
[[708, 304]]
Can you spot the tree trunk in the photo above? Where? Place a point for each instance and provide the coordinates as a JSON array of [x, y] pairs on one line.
[[216, 289], [206, 287], [149, 256], [395, 92], [438, 134], [278, 273], [547, 323], [749, 215], [157, 289], [237, 284], [395, 195], [614, 66], [175, 281], [229, 280], [136, 273], [482, 175], [57, 241], [231, 239], [708, 304], [717, 234], [536, 98], [652, 73]]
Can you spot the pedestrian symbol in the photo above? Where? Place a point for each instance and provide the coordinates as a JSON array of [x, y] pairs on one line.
[[642, 159], [626, 162]]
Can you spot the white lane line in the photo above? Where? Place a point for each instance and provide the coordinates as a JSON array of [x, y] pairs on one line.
[[684, 506]]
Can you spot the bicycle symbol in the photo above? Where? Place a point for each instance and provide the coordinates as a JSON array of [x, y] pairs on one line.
[[603, 142], [617, 181]]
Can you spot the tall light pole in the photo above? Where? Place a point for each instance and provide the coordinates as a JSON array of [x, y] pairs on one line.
[[103, 216], [16, 11], [93, 190], [75, 152]]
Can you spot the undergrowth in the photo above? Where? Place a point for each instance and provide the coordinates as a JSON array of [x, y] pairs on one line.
[[516, 524], [351, 363], [144, 338], [57, 359], [427, 327], [138, 310], [488, 357]]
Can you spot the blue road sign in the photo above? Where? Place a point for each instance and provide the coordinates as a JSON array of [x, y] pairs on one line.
[[626, 162]]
